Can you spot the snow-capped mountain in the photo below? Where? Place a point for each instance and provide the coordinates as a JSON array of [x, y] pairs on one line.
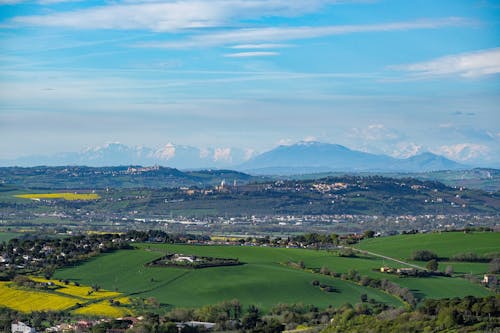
[[303, 157], [113, 154], [307, 157]]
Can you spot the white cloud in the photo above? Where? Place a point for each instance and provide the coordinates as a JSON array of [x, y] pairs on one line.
[[463, 151], [259, 46], [475, 64], [171, 16], [251, 54], [276, 34], [376, 132]]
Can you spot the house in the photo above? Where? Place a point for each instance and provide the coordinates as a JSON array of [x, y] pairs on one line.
[[490, 280], [386, 269], [184, 259], [205, 325], [20, 327], [406, 270]]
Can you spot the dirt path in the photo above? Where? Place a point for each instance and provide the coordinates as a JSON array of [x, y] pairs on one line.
[[388, 258]]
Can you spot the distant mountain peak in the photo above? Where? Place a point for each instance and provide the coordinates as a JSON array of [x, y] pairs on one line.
[[302, 157], [313, 156]]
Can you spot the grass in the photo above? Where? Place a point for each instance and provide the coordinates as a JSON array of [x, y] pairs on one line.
[[6, 236], [444, 244], [62, 195], [264, 280]]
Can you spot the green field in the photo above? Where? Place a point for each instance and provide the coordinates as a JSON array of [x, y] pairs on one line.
[[263, 279], [445, 244], [5, 236]]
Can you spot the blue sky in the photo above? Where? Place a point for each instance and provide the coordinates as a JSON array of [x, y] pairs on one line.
[[395, 77]]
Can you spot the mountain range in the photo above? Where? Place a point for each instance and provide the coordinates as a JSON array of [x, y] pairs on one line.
[[302, 157]]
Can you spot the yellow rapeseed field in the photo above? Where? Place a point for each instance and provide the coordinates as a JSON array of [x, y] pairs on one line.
[[63, 195], [32, 300], [79, 291], [103, 309]]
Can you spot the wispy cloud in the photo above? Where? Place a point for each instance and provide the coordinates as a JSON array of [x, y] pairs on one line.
[[471, 65], [259, 46], [171, 16], [251, 54], [277, 34]]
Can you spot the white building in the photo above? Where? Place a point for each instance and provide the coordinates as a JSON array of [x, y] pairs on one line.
[[20, 327]]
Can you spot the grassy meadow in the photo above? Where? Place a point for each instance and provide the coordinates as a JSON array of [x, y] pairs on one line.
[[445, 245], [263, 280]]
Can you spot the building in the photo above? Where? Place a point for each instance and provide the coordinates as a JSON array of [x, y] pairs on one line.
[[386, 269], [205, 325], [490, 280], [406, 271], [20, 327]]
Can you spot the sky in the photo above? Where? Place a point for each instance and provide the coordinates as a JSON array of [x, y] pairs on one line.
[[383, 76]]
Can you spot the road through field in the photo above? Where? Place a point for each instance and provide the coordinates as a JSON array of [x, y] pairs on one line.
[[388, 258]]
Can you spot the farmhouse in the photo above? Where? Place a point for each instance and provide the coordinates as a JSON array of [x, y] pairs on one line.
[[490, 280], [203, 324], [181, 258], [386, 269], [20, 327], [406, 270]]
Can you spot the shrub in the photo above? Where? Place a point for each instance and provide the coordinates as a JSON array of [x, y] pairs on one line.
[[424, 255]]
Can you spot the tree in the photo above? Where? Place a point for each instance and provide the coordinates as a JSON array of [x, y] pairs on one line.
[[449, 270], [432, 265], [252, 318], [494, 266], [424, 255], [369, 234], [363, 298]]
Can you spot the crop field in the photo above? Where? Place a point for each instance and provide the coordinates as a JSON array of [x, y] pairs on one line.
[[263, 280], [103, 309], [81, 291], [63, 195], [81, 299], [25, 300]]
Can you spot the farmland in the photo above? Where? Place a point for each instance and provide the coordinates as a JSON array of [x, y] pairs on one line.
[[61, 296], [62, 195], [5, 236], [445, 245], [264, 279]]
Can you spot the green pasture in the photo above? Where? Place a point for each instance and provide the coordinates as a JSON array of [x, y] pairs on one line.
[[5, 236], [445, 244], [263, 280]]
